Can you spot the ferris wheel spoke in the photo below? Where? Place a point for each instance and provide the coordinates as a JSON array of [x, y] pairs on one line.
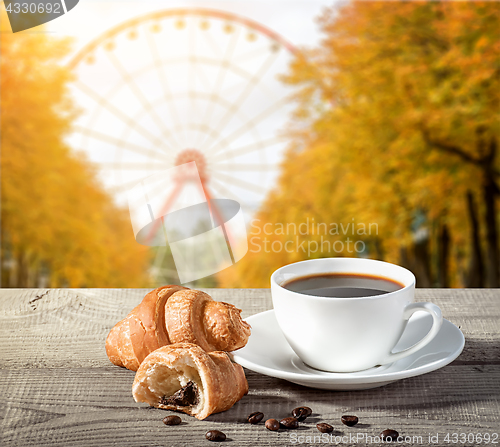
[[201, 75], [241, 183], [247, 149], [129, 80], [153, 191], [119, 143], [249, 55], [192, 75], [163, 81], [214, 136], [242, 167], [223, 102], [221, 75], [132, 166], [206, 60], [217, 186], [242, 129], [225, 142], [123, 187], [127, 120], [254, 81], [203, 129], [217, 51]]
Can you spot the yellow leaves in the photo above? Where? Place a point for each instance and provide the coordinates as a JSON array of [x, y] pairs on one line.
[[54, 213], [392, 71]]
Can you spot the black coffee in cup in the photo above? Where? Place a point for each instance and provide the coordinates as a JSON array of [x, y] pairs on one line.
[[342, 285]]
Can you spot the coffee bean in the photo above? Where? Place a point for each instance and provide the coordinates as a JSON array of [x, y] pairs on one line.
[[301, 413], [349, 420], [290, 423], [272, 424], [324, 427], [172, 420], [255, 417], [389, 435], [215, 436]]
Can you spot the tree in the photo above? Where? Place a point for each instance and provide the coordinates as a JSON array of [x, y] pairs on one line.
[[59, 228], [403, 100]]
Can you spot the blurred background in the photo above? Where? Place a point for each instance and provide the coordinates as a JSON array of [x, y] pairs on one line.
[[365, 129]]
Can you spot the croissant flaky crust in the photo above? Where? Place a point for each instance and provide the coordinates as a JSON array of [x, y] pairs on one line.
[[175, 314], [183, 377]]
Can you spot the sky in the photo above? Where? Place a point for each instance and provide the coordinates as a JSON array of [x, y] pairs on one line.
[[293, 19]]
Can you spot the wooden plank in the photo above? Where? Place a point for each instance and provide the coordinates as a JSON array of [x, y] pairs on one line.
[[59, 388], [67, 327], [93, 406], [61, 328]]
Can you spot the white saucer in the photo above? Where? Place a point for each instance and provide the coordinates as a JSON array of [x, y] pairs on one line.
[[267, 352]]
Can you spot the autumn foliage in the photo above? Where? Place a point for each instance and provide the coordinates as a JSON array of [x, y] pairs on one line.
[[397, 124], [59, 228]]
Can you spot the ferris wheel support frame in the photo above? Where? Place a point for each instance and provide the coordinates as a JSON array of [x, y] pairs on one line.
[[87, 54]]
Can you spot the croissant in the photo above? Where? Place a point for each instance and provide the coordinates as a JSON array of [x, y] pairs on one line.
[[175, 314], [183, 377]]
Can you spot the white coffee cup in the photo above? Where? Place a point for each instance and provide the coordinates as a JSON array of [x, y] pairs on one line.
[[348, 334]]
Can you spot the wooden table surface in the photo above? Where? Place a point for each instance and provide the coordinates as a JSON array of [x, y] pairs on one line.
[[59, 389]]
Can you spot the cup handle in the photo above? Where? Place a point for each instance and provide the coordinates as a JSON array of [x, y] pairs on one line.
[[437, 321]]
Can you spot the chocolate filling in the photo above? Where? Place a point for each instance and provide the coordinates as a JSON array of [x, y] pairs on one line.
[[186, 396]]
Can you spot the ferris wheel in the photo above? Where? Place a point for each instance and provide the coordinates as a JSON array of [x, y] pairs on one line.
[[182, 85]]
